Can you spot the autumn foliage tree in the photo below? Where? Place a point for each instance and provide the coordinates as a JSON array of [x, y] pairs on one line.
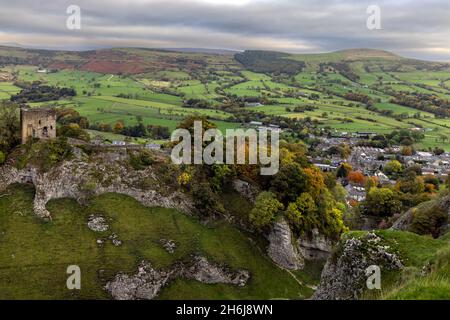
[[356, 177]]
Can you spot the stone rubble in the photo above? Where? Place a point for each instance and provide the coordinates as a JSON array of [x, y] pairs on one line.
[[97, 223], [168, 245]]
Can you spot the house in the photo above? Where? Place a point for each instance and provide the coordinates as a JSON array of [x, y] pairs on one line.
[[255, 124], [355, 193], [153, 146], [382, 178], [365, 135], [325, 167], [253, 104]]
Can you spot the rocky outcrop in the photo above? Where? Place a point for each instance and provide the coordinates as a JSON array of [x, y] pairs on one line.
[[97, 223], [281, 250], [148, 282], [80, 179], [344, 275], [168, 245], [314, 247], [245, 189], [404, 221]]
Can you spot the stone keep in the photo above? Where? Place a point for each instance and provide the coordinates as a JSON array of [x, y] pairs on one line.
[[38, 123]]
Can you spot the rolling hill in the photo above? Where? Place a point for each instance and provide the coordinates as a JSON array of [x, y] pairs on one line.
[[347, 91]]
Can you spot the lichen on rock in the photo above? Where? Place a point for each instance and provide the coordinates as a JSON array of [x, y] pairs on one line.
[[344, 275]]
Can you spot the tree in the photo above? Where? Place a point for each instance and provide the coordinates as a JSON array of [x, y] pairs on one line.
[[382, 202], [289, 182], [371, 182], [433, 180], [205, 200], [9, 126], [265, 210], [344, 170], [356, 177], [118, 127], [303, 213], [414, 168], [315, 182], [2, 158], [73, 130], [429, 219], [407, 151], [393, 168], [410, 184]]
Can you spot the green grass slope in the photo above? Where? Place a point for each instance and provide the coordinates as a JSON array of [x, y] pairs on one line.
[[34, 255]]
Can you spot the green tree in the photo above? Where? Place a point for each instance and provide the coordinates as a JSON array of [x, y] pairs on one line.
[[9, 126], [289, 183], [382, 202], [393, 168], [265, 210], [2, 158], [344, 170], [303, 213]]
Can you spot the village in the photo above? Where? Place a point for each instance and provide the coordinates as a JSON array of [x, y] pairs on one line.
[[373, 162]]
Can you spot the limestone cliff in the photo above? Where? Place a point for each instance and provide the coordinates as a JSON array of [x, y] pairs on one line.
[[80, 178], [344, 275]]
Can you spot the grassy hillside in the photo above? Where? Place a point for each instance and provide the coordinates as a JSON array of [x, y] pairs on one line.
[[34, 255]]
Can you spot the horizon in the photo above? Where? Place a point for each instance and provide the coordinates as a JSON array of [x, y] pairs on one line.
[[205, 50]]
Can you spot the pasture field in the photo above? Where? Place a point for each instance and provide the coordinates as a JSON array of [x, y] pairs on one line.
[[157, 97]]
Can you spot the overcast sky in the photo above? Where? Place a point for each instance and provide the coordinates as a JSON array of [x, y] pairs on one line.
[[413, 28]]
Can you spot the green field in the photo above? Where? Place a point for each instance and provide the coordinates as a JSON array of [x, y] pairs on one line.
[[158, 96]]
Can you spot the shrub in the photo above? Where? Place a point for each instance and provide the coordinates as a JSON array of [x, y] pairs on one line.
[[141, 159], [428, 219], [2, 158], [265, 210]]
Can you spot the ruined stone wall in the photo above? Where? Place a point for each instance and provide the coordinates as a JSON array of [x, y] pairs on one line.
[[38, 123]]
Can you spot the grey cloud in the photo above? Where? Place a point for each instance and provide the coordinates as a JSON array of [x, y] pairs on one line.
[[411, 27]]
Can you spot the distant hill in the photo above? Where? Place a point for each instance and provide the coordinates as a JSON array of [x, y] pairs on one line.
[[142, 60], [203, 50]]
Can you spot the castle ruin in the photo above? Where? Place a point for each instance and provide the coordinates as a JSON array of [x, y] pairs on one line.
[[39, 123]]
